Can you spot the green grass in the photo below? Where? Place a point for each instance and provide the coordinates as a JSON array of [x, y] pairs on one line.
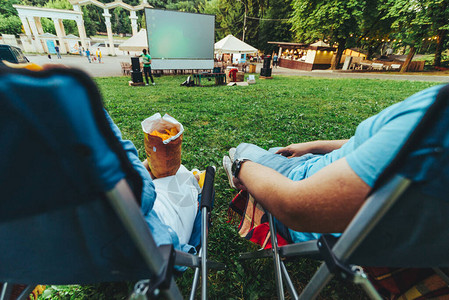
[[269, 113]]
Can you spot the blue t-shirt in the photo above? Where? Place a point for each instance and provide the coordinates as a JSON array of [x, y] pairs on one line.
[[376, 141]]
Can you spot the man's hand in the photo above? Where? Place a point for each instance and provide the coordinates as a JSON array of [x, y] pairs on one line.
[[295, 150], [315, 147]]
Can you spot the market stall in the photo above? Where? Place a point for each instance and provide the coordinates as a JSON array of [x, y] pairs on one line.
[[305, 56]]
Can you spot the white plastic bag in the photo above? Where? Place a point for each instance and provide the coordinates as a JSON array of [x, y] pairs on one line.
[[176, 202]]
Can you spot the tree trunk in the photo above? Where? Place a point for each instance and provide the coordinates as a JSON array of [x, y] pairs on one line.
[[440, 42], [408, 60], [341, 48], [370, 52]]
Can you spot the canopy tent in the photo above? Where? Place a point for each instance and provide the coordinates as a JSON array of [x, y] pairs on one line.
[[71, 37], [231, 44], [137, 42], [320, 44], [48, 35]]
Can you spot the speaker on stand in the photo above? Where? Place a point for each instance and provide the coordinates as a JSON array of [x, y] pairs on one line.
[[136, 73], [265, 71], [135, 64], [267, 62]]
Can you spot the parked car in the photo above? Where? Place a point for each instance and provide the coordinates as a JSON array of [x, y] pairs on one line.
[[12, 54]]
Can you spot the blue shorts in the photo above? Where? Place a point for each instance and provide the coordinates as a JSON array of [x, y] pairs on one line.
[[282, 165]]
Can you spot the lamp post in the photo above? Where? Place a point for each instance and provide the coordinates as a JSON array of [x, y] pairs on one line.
[[244, 20]]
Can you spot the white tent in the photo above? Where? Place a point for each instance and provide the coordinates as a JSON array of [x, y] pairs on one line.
[[320, 44], [231, 44], [137, 42]]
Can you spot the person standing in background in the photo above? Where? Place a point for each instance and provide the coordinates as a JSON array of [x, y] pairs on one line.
[[99, 55], [147, 66], [57, 52], [88, 55], [275, 60]]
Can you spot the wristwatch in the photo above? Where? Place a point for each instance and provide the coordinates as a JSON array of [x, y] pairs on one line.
[[237, 165]]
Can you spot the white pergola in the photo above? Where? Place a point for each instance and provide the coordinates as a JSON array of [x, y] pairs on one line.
[[107, 16], [31, 20]]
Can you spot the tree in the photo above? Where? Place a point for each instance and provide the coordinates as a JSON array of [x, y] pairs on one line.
[[38, 3], [10, 25], [120, 20], [9, 20], [7, 9], [227, 17], [274, 26], [438, 13], [69, 25], [412, 24], [335, 21], [90, 24]]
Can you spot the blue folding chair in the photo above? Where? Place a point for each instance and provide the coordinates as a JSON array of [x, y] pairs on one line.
[[70, 205], [403, 223]]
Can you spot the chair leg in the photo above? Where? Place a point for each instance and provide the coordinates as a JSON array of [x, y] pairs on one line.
[[288, 282], [361, 279], [196, 278], [26, 292], [442, 275], [276, 258], [6, 291], [204, 232], [317, 283]]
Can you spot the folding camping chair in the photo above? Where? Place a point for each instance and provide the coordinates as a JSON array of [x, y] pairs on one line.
[[403, 223], [69, 210]]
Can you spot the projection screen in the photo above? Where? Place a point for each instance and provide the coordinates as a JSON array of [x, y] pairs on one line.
[[180, 40]]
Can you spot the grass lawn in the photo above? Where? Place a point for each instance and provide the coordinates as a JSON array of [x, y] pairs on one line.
[[269, 113]]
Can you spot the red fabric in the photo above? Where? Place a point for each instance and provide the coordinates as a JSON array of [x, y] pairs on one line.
[[260, 235], [254, 225], [233, 74]]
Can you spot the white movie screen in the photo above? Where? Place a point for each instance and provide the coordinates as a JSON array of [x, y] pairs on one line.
[[179, 40]]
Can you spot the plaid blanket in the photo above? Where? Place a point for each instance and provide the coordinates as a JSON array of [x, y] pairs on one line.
[[407, 284], [393, 284]]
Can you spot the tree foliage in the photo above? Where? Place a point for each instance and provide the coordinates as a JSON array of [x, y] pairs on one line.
[[274, 26], [10, 25], [416, 21], [331, 21], [69, 25]]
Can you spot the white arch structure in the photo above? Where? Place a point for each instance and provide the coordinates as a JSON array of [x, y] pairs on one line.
[[31, 21], [107, 16]]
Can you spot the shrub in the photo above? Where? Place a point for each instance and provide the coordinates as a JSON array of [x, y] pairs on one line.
[[10, 25]]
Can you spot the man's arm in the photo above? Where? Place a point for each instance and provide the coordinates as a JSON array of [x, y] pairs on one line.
[[324, 202], [316, 147]]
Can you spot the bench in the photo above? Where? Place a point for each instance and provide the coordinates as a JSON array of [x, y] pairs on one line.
[[377, 66], [395, 67], [220, 78]]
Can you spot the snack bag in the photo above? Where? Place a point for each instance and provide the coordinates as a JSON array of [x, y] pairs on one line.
[[163, 138]]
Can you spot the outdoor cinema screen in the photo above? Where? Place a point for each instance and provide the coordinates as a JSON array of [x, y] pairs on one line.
[[179, 40]]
